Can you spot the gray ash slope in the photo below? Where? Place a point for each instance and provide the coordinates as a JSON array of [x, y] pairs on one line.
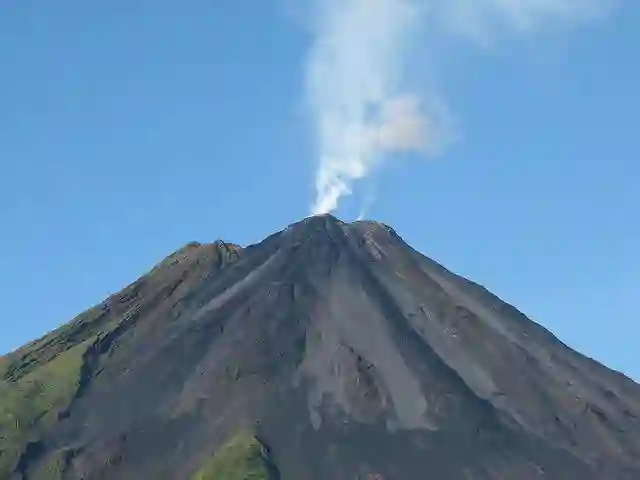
[[348, 353]]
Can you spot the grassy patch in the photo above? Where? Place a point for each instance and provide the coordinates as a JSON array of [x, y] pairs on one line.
[[242, 458], [4, 367], [32, 404]]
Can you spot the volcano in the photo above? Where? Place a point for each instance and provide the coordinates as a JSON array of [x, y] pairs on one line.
[[328, 351]]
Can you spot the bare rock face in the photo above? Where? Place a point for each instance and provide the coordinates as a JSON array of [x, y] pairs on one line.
[[344, 352]]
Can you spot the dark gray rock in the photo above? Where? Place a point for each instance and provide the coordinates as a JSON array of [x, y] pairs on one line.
[[349, 354]]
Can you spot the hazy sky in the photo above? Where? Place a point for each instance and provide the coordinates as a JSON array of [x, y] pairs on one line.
[[130, 128]]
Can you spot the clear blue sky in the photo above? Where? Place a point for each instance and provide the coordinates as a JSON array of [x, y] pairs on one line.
[[130, 128]]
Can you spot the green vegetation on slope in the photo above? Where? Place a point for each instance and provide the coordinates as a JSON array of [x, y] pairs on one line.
[[39, 381], [242, 458], [32, 404]]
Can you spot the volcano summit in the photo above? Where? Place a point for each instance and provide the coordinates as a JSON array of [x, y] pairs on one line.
[[328, 351]]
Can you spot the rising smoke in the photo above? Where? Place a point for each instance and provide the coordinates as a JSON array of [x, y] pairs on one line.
[[357, 72]]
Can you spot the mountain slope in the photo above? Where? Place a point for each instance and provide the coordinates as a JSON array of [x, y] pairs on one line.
[[346, 352]]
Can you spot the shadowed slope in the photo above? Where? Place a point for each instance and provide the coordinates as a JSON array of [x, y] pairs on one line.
[[350, 354]]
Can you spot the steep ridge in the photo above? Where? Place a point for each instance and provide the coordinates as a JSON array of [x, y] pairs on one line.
[[40, 381], [346, 352]]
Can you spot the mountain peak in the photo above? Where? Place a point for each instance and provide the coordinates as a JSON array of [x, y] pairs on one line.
[[324, 219], [335, 228], [338, 349]]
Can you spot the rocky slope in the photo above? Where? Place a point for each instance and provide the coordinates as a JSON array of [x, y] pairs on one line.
[[328, 351]]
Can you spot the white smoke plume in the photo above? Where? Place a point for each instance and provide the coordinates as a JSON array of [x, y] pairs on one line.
[[357, 69]]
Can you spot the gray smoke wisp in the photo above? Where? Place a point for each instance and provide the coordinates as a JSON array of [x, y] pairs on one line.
[[357, 72]]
